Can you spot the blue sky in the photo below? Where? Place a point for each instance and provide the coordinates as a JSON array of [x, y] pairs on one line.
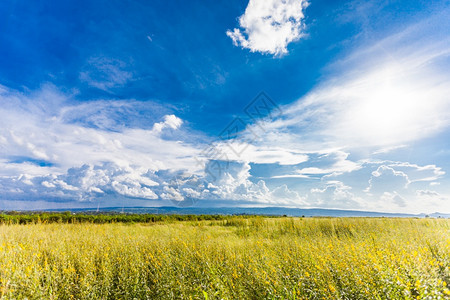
[[110, 103]]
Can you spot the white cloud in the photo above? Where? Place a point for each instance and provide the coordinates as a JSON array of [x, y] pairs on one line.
[[335, 194], [385, 178], [108, 115], [289, 176], [325, 163], [259, 154], [173, 194], [84, 183], [284, 195], [431, 196], [418, 173], [388, 185], [333, 162], [134, 191], [230, 180], [388, 149], [226, 182], [48, 184], [37, 129], [170, 121], [393, 198], [427, 193], [268, 26]]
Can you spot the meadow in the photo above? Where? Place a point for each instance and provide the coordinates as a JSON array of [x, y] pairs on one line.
[[227, 258]]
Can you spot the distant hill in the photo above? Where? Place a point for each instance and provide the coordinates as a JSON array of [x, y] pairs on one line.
[[273, 211]]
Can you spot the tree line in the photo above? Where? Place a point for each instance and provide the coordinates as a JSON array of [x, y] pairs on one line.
[[99, 218]]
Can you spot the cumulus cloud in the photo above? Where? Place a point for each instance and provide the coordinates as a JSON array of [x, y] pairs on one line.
[[269, 26], [57, 150], [230, 180], [393, 198], [418, 173], [335, 194], [288, 197], [388, 185], [227, 181], [60, 150], [184, 189], [170, 121], [234, 183], [136, 191], [82, 184], [385, 178], [432, 196], [427, 193]]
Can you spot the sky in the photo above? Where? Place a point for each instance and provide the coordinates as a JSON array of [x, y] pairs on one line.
[[308, 104]]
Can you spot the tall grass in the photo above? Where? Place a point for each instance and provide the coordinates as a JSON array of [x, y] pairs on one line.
[[232, 258]]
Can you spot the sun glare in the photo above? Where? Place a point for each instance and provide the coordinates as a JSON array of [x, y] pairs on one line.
[[390, 107]]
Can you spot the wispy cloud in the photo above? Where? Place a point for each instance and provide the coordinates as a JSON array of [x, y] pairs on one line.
[[105, 73], [269, 26], [383, 96]]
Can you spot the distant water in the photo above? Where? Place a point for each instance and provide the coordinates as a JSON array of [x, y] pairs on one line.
[[272, 211]]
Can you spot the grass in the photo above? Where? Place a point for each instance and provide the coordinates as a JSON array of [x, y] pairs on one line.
[[230, 258]]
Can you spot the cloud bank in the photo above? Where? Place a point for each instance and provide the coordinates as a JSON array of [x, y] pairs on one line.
[[58, 150]]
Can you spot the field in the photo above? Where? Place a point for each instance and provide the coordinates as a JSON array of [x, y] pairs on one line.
[[228, 258]]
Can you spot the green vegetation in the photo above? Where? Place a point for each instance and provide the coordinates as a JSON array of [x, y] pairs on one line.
[[71, 218], [228, 258]]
